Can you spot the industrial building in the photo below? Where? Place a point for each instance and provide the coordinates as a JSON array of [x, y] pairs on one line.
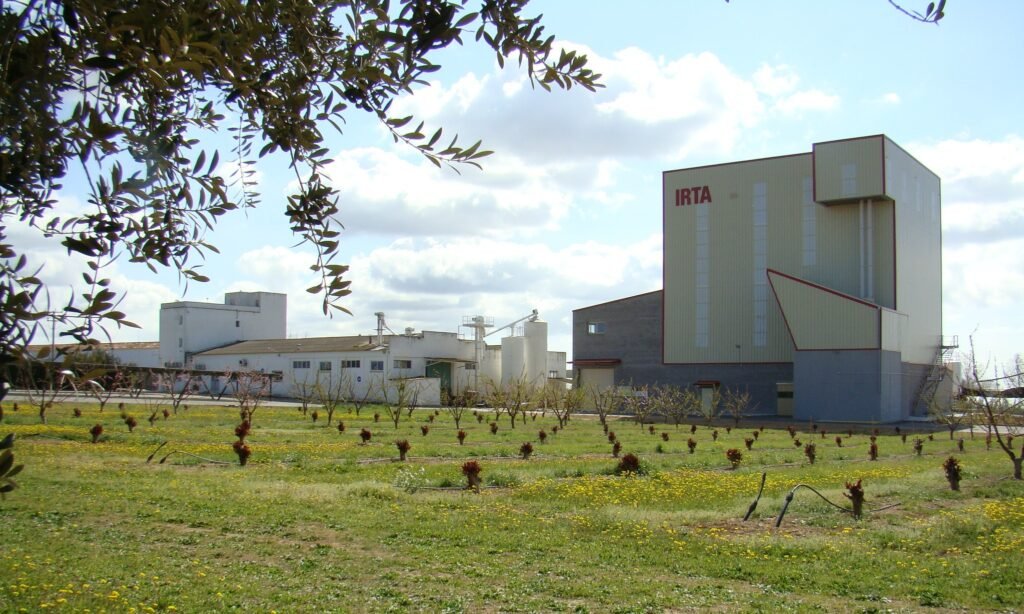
[[812, 281], [247, 332]]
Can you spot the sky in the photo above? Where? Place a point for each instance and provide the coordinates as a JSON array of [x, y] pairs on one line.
[[567, 212]]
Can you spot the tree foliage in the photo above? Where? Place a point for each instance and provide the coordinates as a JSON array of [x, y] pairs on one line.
[[128, 94]]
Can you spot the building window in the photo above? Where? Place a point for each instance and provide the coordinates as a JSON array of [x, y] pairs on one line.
[[180, 342], [350, 364], [596, 328], [181, 320], [553, 374], [403, 364], [849, 184], [325, 365], [760, 244], [702, 262], [236, 324], [300, 364], [810, 225], [470, 366], [376, 365]]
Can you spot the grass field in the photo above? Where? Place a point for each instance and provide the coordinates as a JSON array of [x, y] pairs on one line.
[[318, 521]]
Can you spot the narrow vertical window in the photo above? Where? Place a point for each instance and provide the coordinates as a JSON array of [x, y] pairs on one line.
[[849, 182], [760, 275], [702, 338], [810, 225]]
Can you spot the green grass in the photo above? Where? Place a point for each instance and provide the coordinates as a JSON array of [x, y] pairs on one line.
[[318, 521]]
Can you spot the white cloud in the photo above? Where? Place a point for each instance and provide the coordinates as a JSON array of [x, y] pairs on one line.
[[983, 239], [651, 107], [890, 98], [387, 194], [775, 80], [982, 188], [780, 84], [961, 160]]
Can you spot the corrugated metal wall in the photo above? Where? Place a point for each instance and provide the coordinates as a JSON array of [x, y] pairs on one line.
[[823, 320], [916, 191], [718, 306], [849, 170], [877, 239]]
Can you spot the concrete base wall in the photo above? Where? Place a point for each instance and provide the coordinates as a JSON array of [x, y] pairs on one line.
[[851, 386], [759, 380]]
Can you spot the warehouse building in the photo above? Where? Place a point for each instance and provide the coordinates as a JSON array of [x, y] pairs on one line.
[[812, 281], [247, 333]]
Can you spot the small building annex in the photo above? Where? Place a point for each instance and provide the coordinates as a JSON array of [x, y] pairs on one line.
[[812, 281]]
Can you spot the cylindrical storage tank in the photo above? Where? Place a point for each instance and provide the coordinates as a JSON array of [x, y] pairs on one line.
[[489, 368], [513, 359], [536, 335]]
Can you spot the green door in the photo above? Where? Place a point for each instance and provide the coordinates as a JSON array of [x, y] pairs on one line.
[[442, 371]]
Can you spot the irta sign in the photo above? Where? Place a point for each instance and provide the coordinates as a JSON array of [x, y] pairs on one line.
[[696, 195]]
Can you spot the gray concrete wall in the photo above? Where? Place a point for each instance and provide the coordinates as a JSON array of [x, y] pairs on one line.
[[892, 382], [837, 386], [633, 336], [852, 386]]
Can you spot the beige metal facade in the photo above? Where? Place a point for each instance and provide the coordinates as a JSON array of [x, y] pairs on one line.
[[855, 219], [822, 319], [917, 193]]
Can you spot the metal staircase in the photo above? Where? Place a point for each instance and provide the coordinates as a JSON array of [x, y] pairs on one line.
[[936, 373]]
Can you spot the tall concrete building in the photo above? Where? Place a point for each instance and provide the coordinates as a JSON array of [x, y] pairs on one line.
[[188, 327], [812, 281]]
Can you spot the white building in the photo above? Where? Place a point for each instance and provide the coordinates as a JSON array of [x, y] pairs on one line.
[[248, 333], [187, 327]]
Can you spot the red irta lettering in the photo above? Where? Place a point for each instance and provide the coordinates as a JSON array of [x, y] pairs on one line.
[[696, 195]]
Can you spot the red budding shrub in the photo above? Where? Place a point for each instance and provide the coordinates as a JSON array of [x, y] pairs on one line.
[[472, 469], [734, 456], [629, 463], [855, 493]]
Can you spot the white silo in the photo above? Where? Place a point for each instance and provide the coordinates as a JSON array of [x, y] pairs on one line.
[[535, 332], [513, 360]]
